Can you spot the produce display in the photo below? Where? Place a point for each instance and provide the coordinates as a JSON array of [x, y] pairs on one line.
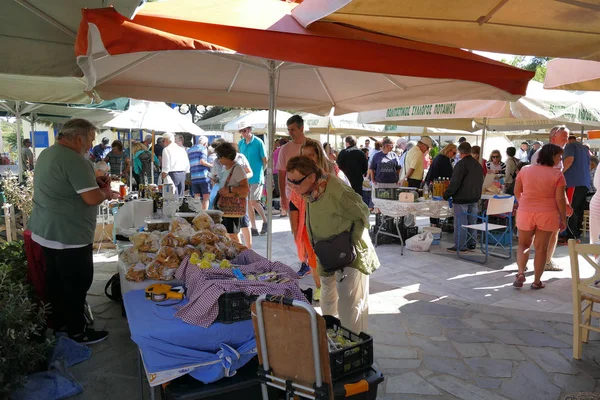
[[337, 341], [157, 255]]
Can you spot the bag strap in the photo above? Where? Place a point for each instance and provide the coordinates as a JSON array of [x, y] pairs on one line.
[[312, 240], [111, 296], [230, 173]]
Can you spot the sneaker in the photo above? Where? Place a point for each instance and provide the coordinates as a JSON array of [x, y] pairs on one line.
[[472, 247], [254, 232], [453, 250], [264, 229], [317, 294], [552, 266], [304, 270], [90, 336]]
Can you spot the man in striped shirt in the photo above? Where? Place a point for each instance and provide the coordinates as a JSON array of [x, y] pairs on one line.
[[199, 169]]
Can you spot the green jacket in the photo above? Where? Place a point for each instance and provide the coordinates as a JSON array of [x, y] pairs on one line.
[[335, 212]]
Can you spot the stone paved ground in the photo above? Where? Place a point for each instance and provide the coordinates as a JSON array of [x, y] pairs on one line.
[[443, 329]]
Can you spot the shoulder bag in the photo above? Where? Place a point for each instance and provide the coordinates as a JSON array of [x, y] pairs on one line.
[[232, 206]]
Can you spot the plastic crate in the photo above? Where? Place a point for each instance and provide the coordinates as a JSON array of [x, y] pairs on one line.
[[234, 307], [385, 193], [352, 359], [343, 389], [409, 231]]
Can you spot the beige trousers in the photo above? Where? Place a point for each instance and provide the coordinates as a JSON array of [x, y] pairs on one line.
[[346, 295]]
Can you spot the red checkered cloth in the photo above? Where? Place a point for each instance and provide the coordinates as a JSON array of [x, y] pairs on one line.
[[204, 287]]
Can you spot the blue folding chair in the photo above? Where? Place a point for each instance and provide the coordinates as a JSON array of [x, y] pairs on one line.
[[501, 206]]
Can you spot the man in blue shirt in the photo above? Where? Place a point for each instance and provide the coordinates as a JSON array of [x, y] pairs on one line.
[[100, 150], [254, 150], [199, 170], [576, 168]]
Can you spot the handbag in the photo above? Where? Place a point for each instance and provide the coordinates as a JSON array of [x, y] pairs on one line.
[[231, 206], [334, 253]]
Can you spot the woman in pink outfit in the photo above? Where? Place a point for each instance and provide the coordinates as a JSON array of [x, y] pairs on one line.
[[540, 192]]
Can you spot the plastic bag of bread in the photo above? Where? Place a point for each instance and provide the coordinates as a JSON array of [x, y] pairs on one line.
[[129, 256], [238, 246], [146, 242], [166, 254], [153, 270], [173, 239], [220, 230], [166, 274], [203, 221], [187, 251], [204, 236], [178, 223], [136, 273]]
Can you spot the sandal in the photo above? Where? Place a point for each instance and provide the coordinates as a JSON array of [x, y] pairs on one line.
[[519, 279], [538, 285]]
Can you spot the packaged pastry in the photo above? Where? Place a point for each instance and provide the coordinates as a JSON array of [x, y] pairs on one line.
[[167, 254], [136, 273], [203, 221], [173, 240], [238, 246], [129, 256], [146, 242], [204, 237], [220, 230], [166, 274], [183, 252], [178, 223], [153, 270]]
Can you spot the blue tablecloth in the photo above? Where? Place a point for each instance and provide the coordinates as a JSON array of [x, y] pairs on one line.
[[172, 348]]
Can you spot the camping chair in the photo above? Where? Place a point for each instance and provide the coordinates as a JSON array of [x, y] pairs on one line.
[[586, 292], [501, 206]]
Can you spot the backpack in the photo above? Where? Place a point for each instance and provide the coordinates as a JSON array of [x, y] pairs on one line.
[[146, 171]]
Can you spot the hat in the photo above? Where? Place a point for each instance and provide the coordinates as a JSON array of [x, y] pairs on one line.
[[426, 140], [105, 140], [462, 139], [26, 141], [148, 137]]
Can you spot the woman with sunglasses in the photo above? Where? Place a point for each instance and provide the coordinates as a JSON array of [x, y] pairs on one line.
[[441, 167], [495, 165], [332, 208]]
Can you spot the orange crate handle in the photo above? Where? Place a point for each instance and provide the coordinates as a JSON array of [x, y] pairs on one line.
[[353, 389]]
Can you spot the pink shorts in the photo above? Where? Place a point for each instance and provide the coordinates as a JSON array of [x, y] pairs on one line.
[[544, 221]]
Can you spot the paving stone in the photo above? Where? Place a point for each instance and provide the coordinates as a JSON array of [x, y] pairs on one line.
[[489, 317], [439, 338], [490, 367], [538, 339], [568, 339], [462, 336], [393, 339], [392, 363], [409, 383], [529, 382], [475, 323], [444, 365], [501, 351], [421, 326], [505, 337], [386, 323], [513, 326], [488, 383], [471, 349], [426, 308], [462, 389], [546, 327], [574, 383], [451, 323], [387, 351], [444, 349], [549, 360], [425, 373]]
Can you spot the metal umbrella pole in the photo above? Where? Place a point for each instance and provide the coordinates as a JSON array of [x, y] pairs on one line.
[[152, 158], [130, 163], [33, 118], [483, 135], [582, 127], [273, 70], [19, 138]]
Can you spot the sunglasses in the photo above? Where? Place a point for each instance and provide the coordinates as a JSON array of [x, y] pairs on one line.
[[496, 157], [299, 181]]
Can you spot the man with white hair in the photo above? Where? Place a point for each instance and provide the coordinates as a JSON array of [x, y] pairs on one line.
[[199, 169], [175, 163], [148, 141], [63, 220]]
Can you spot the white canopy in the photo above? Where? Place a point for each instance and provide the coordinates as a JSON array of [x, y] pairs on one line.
[[258, 120], [218, 122], [347, 123], [43, 89], [153, 116], [537, 110]]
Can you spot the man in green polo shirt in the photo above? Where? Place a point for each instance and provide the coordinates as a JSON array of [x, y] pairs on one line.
[[63, 220]]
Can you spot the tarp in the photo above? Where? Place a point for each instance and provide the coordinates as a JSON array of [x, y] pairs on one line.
[[572, 75], [562, 28], [539, 109], [43, 89], [214, 51], [37, 37], [153, 116]]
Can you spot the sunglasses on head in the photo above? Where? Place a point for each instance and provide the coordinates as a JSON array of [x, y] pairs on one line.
[[299, 181]]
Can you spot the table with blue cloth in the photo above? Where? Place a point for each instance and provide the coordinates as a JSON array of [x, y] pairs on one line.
[[171, 348]]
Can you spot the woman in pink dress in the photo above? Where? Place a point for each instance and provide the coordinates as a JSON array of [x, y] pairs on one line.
[[540, 192]]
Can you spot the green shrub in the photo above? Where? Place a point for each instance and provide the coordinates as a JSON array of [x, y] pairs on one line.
[[13, 255]]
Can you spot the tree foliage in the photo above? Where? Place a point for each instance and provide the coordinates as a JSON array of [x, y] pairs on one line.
[[537, 64]]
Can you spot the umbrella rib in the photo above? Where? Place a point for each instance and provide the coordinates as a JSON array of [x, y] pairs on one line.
[[46, 17], [235, 77], [398, 85], [485, 18], [320, 78], [125, 68]]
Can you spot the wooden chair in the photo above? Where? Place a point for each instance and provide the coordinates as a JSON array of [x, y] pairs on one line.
[[585, 228], [586, 292]]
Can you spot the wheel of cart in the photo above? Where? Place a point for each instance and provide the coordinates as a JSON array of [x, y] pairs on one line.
[[294, 354]]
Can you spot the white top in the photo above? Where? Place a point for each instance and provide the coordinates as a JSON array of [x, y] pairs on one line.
[[51, 244], [241, 159], [175, 159], [536, 155], [522, 155]]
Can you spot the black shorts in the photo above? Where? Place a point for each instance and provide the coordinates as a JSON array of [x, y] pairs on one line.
[[233, 225], [202, 188], [293, 207]]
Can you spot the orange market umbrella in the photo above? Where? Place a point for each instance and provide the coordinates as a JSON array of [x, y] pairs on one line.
[[254, 53], [568, 74]]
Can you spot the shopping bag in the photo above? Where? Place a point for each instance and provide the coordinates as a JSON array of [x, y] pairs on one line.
[[420, 242], [212, 199]]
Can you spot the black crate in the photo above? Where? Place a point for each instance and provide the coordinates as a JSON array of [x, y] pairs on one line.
[[343, 389], [409, 231], [352, 359], [234, 307], [385, 193]]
